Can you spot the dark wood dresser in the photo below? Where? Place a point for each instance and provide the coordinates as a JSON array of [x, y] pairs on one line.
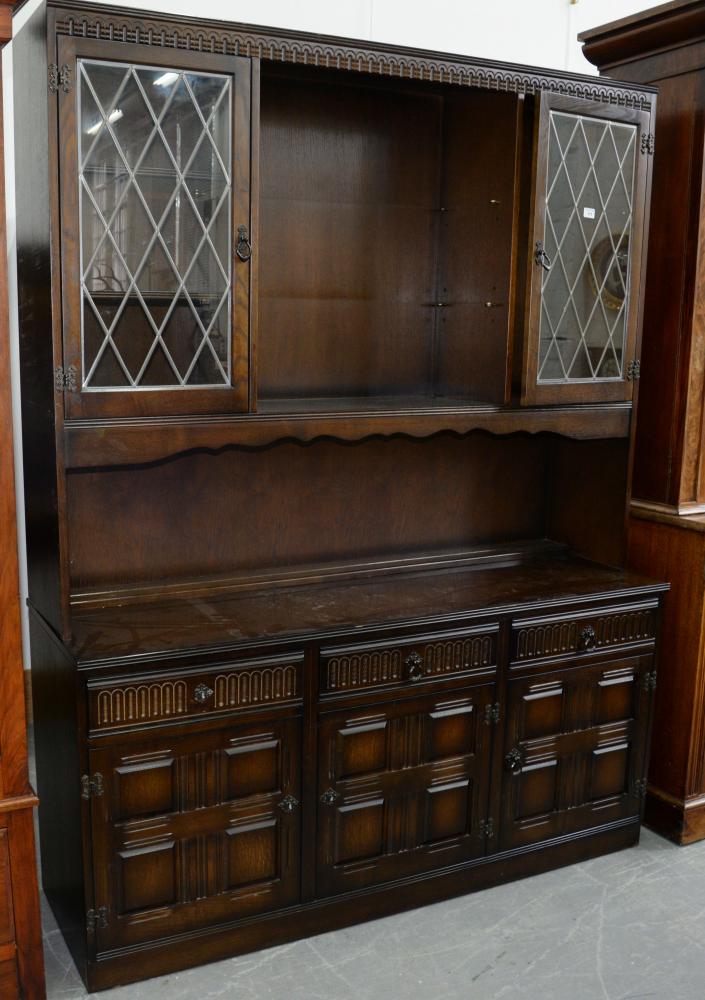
[[330, 356], [665, 46]]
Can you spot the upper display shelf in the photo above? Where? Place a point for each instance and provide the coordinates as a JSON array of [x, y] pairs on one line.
[[268, 224]]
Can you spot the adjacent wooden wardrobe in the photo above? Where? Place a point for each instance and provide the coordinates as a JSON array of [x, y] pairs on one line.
[[21, 958], [330, 360], [666, 46]]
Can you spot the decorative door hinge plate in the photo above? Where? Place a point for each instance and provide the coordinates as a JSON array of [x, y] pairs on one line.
[[60, 77], [487, 828], [647, 143], [650, 681], [491, 714], [640, 786], [65, 379], [633, 371], [97, 918], [92, 787]]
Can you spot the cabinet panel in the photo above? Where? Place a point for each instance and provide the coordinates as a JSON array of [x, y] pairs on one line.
[[196, 829], [402, 787], [586, 247], [154, 183], [574, 752]]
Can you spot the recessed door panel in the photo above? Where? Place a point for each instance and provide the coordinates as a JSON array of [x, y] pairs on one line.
[[410, 793], [194, 829], [574, 748]]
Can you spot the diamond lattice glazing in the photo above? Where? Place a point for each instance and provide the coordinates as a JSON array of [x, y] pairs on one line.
[[589, 212], [155, 202]]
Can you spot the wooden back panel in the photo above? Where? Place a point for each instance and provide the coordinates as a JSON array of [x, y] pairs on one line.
[[290, 504]]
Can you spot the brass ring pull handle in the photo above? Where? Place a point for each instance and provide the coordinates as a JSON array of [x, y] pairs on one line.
[[588, 638], [202, 693], [244, 247], [288, 804], [330, 797], [514, 761], [414, 666], [542, 258]]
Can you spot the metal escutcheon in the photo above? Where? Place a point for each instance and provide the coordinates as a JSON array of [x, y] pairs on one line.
[[514, 761], [244, 247], [542, 258], [414, 666], [288, 804], [202, 693], [330, 797], [588, 638]]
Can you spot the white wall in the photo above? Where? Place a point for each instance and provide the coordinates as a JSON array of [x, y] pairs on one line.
[[537, 32]]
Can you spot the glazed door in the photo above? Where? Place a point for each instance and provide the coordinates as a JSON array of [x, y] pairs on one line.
[[194, 830], [574, 748], [155, 177], [585, 257], [403, 787]]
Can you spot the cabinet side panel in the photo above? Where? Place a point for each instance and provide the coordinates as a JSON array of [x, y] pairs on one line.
[[58, 774], [35, 316], [676, 554]]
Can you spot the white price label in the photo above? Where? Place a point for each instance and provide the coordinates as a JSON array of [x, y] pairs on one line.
[[588, 213]]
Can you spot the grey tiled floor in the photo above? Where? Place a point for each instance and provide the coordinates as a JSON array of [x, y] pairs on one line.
[[629, 926]]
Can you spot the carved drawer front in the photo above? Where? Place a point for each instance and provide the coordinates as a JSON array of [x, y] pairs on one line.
[[575, 748], [446, 656], [172, 697], [195, 830], [403, 787], [582, 632]]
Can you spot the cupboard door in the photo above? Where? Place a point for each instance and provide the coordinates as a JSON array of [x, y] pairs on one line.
[[154, 151], [585, 257], [195, 830], [575, 748], [402, 788]]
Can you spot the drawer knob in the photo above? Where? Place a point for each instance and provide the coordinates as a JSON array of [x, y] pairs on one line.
[[588, 638], [288, 804], [414, 666], [330, 797], [514, 761], [202, 694]]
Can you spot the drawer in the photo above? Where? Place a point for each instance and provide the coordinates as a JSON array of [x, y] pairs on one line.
[[409, 661], [185, 694], [584, 631]]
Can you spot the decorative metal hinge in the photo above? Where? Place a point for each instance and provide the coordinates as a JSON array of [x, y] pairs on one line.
[[92, 787], [65, 379], [487, 828], [640, 786], [647, 143], [491, 714], [650, 681], [60, 77], [97, 918], [633, 371]]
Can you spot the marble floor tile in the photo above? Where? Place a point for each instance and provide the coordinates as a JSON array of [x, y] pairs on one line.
[[629, 926]]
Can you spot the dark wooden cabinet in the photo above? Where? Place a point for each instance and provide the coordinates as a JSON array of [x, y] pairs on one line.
[[664, 47], [329, 356]]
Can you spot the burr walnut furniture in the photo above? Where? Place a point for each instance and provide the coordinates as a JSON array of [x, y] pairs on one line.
[[665, 46], [330, 354], [21, 958]]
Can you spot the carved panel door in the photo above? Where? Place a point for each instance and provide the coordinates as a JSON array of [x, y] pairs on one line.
[[403, 787], [575, 748], [155, 180], [193, 830], [585, 258]]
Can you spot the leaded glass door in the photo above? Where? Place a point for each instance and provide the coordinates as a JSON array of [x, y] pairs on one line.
[[155, 170], [585, 254]]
